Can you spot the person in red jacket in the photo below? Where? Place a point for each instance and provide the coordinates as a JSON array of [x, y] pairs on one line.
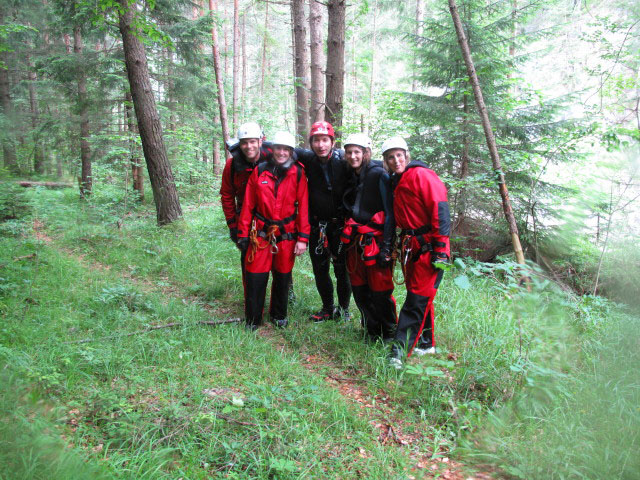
[[273, 228], [235, 175], [421, 211], [367, 237]]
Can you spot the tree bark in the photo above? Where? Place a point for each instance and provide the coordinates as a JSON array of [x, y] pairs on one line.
[[243, 96], [136, 164], [488, 132], [163, 185], [264, 52], [301, 67], [335, 62], [85, 153], [38, 151], [8, 145], [222, 104], [373, 67], [418, 34], [316, 112], [236, 61]]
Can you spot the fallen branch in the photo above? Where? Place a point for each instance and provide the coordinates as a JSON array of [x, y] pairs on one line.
[[52, 185], [25, 257], [154, 327], [346, 379]]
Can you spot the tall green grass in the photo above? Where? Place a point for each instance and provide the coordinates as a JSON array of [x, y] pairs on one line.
[[202, 402]]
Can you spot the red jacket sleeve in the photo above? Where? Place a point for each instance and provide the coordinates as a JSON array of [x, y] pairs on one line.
[[228, 195], [302, 221], [248, 205], [434, 197]]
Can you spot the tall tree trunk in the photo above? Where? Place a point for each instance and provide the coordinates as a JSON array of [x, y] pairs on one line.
[[38, 150], [373, 66], [215, 157], [85, 154], [264, 51], [136, 163], [236, 61], [225, 37], [8, 145], [163, 185], [461, 204], [301, 67], [243, 96], [488, 132], [222, 104], [335, 62], [316, 112], [418, 34], [215, 153]]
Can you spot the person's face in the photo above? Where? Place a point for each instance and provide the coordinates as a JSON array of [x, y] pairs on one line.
[[354, 155], [321, 145], [281, 154], [251, 148], [396, 160]]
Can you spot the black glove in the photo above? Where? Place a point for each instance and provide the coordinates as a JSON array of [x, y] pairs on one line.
[[383, 260], [243, 244], [233, 234], [439, 260]]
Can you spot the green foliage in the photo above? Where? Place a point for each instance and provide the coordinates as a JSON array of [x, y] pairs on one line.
[[582, 426], [443, 128]]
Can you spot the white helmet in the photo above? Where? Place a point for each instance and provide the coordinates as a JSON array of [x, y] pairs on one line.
[[284, 138], [394, 142], [249, 130], [359, 139]]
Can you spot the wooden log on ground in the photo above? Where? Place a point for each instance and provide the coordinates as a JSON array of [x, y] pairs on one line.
[[52, 185]]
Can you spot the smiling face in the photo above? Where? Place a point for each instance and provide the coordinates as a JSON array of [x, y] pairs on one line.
[[396, 160], [322, 145], [281, 154], [251, 148], [354, 156]]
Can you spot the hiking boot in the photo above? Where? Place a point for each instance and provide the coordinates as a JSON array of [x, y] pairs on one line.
[[322, 315], [395, 363], [422, 350], [280, 322], [251, 327], [340, 313], [395, 357]]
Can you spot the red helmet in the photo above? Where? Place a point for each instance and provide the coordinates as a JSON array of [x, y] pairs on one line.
[[322, 128]]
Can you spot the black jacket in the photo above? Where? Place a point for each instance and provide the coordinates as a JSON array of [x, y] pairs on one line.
[[369, 193], [326, 185]]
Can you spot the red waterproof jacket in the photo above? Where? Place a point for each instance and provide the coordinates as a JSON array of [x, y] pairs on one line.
[[235, 176], [421, 208], [270, 199]]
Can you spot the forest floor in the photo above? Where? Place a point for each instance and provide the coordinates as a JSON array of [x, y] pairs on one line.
[[389, 427], [118, 362]]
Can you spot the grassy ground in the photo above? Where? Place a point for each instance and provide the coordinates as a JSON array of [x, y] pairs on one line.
[[198, 401]]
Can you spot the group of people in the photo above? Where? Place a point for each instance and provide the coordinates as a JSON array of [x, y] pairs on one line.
[[345, 208]]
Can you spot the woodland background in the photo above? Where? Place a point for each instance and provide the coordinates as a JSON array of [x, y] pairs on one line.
[[125, 105]]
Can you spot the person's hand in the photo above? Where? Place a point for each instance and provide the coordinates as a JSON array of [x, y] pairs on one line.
[[300, 248], [243, 244], [439, 260], [383, 260]]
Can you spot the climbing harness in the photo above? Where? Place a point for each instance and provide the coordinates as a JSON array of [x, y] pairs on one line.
[[323, 241]]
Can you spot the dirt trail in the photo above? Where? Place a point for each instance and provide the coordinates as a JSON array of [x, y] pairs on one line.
[[392, 431]]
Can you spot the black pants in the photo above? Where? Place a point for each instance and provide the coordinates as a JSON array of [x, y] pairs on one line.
[[320, 260], [377, 312]]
